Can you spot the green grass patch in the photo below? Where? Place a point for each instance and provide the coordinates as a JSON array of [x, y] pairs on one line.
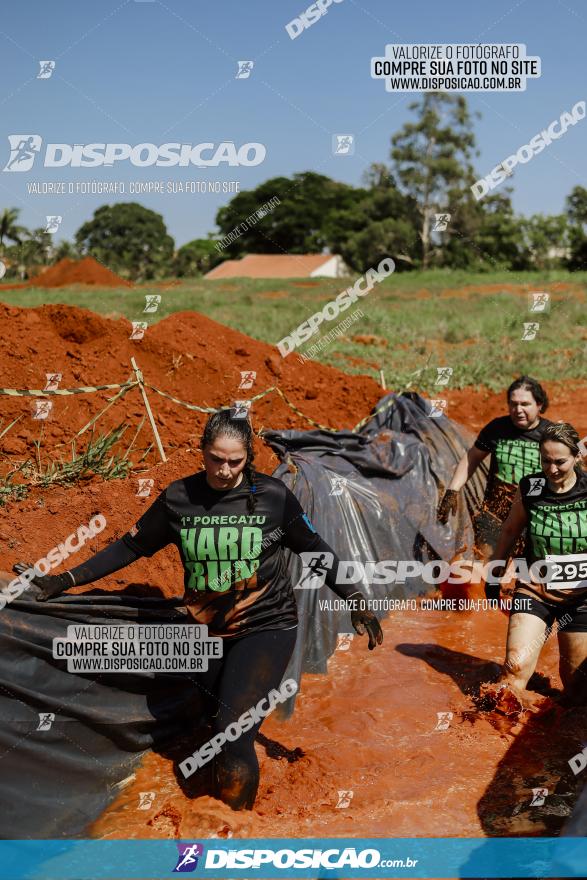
[[422, 320]]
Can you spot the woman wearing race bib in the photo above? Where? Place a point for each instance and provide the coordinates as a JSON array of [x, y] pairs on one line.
[[230, 525], [512, 442], [552, 506]]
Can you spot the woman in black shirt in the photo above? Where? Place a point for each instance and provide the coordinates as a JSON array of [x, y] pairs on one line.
[[512, 443], [230, 525], [552, 506]]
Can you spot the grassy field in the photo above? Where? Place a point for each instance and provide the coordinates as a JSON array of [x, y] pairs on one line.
[[417, 321]]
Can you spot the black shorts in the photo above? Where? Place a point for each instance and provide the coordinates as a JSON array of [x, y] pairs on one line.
[[550, 612]]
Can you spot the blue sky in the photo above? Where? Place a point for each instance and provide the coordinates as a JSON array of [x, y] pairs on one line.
[[157, 72]]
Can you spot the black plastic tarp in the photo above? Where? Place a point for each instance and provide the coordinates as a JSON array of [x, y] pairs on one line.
[[384, 508], [57, 775], [66, 739]]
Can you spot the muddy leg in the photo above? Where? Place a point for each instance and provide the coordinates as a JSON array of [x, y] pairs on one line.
[[524, 644], [573, 656]]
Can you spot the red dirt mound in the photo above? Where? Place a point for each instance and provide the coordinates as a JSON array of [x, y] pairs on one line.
[[187, 355], [86, 271]]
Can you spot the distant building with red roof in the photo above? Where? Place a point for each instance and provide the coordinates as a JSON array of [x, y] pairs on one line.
[[282, 266]]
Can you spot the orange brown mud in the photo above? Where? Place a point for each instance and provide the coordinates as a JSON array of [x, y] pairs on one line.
[[372, 725]]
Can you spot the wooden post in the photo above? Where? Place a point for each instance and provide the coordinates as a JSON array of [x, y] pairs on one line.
[[382, 380], [139, 377]]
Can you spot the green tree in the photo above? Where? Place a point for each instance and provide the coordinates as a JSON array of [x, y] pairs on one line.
[[432, 159], [30, 255], [383, 223], [197, 257], [128, 238], [576, 211], [484, 235], [296, 224], [9, 227], [65, 249], [547, 240]]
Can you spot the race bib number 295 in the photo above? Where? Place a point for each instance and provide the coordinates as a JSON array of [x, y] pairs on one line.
[[567, 572]]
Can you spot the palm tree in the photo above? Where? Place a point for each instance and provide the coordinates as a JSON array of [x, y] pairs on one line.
[[9, 228]]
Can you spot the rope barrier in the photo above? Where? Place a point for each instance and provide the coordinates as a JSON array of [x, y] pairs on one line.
[[124, 387], [84, 389]]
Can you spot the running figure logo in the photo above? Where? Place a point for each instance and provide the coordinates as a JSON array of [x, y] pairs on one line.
[[240, 410], [47, 68], [539, 302], [152, 302], [245, 69], [145, 486], [444, 719], [536, 486], [315, 566], [441, 222], [343, 144], [338, 485], [187, 861], [23, 151], [46, 719], [53, 380], [530, 331], [344, 799], [146, 799], [437, 408], [343, 641], [138, 329], [247, 379], [539, 795], [443, 375], [42, 409], [53, 223]]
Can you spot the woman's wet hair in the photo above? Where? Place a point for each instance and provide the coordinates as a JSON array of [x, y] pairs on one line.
[[527, 383], [222, 424], [562, 432]]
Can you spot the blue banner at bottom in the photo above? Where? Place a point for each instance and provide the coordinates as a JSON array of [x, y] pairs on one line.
[[305, 858]]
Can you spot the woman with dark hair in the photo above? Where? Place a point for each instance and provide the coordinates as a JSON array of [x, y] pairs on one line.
[[230, 524], [512, 442], [552, 506]]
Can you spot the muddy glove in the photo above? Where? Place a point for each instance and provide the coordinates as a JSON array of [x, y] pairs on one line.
[[448, 504], [50, 585], [362, 620]]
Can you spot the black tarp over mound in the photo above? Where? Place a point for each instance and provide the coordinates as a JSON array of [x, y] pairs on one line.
[[393, 472], [55, 781]]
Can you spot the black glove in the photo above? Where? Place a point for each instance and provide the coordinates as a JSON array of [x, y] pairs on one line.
[[448, 504], [492, 590], [50, 585], [362, 620], [493, 583]]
